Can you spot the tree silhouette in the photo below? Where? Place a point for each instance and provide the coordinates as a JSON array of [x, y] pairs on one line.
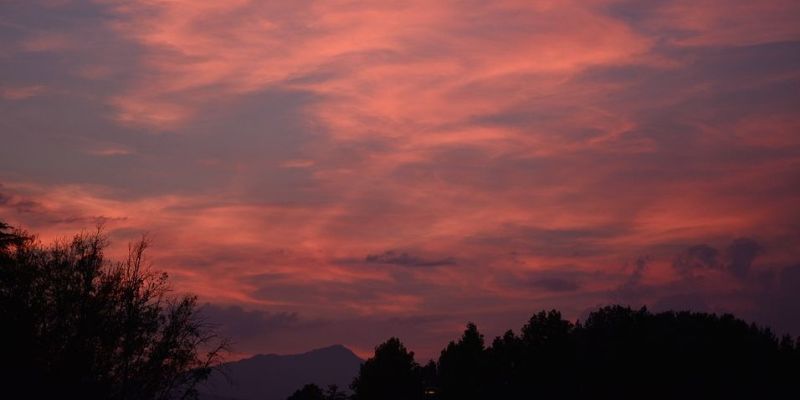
[[503, 358], [702, 354], [430, 380], [76, 325], [391, 374], [463, 367], [10, 237], [547, 356], [618, 352]]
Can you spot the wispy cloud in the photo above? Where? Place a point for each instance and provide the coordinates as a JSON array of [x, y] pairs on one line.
[[375, 161], [21, 92]]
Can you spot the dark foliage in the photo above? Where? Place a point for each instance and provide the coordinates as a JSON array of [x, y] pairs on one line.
[[308, 392], [671, 355], [392, 374], [314, 392], [618, 353], [76, 325], [463, 366]]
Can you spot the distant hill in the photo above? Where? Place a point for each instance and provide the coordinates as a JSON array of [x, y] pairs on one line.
[[276, 377]]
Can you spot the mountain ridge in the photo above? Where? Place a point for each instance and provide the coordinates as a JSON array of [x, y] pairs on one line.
[[276, 376]]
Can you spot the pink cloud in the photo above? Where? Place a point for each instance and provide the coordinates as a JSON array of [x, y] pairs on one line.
[[542, 148], [390, 63], [22, 92], [739, 22]]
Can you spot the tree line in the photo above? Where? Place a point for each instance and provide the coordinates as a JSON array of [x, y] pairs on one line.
[[617, 352]]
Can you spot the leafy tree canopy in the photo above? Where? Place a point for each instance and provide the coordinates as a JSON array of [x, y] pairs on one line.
[[77, 325], [392, 374]]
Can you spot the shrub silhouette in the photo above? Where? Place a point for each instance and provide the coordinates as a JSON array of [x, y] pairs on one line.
[[314, 392], [308, 392], [76, 325]]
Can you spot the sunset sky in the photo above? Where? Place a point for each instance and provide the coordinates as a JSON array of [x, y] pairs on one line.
[[337, 171]]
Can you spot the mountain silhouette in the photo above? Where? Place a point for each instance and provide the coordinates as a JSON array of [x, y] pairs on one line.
[[276, 377]]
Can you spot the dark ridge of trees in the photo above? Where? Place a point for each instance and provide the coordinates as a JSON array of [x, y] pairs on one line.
[[618, 352], [76, 325]]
